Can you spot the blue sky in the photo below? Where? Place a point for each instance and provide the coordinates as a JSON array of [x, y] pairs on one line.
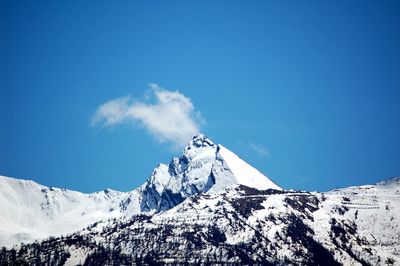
[[307, 92]]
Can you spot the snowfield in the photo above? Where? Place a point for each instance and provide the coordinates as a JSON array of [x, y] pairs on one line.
[[206, 207], [29, 211]]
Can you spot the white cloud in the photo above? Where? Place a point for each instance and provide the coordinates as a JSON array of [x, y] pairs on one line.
[[112, 112], [169, 116], [259, 149]]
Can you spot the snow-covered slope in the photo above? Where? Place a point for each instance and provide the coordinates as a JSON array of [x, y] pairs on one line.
[[375, 210], [203, 167], [207, 206], [30, 211], [238, 225], [244, 173]]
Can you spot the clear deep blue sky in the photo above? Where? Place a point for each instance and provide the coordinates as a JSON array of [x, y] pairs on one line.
[[315, 84]]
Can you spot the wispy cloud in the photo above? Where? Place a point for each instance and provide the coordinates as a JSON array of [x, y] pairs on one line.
[[259, 149], [169, 116]]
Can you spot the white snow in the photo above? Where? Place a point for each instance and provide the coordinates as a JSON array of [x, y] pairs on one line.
[[244, 173], [29, 211], [160, 177]]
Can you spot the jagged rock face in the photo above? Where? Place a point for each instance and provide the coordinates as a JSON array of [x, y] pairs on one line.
[[185, 176], [203, 167], [206, 207], [239, 225], [29, 211]]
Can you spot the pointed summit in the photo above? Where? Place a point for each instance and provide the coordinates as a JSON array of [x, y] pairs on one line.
[[198, 143], [203, 167], [200, 140]]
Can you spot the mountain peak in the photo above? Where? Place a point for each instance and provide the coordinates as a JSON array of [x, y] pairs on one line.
[[204, 167], [198, 146], [200, 140]]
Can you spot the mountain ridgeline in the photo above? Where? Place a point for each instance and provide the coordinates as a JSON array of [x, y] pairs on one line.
[[206, 207]]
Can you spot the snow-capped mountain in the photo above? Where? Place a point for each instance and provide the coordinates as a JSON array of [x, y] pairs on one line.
[[29, 211], [206, 207], [203, 167], [240, 225]]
